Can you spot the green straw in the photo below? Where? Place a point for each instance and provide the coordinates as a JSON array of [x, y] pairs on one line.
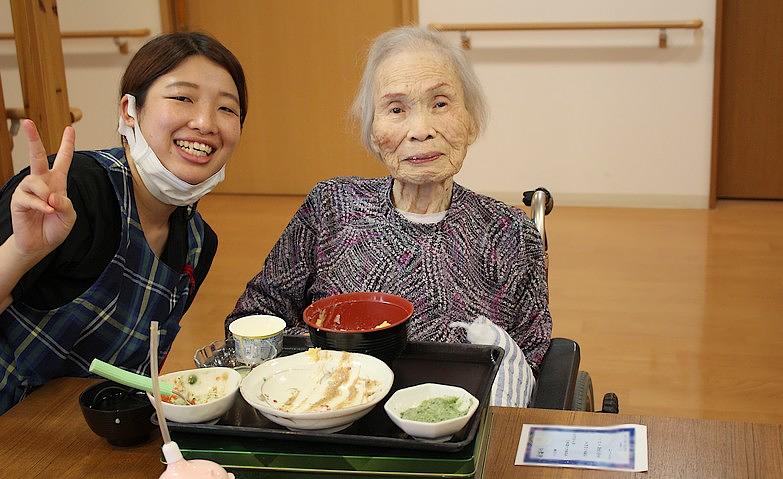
[[136, 381]]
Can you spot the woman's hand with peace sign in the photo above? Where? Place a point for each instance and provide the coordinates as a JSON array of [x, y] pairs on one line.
[[41, 213]]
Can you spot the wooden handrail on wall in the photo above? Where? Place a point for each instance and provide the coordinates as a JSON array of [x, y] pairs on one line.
[[6, 164], [661, 26], [115, 34], [16, 114]]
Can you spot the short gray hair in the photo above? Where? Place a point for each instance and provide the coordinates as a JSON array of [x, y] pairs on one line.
[[413, 38]]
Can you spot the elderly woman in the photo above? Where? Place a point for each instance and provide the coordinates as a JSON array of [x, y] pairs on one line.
[[455, 254]]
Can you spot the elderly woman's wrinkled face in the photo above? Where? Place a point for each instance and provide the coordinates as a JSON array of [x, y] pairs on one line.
[[421, 129]]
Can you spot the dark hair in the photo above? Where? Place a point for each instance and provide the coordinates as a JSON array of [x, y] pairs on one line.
[[165, 52]]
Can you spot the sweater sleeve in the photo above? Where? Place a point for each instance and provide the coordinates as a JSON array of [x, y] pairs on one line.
[[281, 287], [526, 273]]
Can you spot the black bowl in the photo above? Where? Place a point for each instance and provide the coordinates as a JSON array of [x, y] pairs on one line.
[[372, 323], [119, 413]]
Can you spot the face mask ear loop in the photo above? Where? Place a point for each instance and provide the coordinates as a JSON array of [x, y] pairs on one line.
[[133, 135], [123, 127], [132, 113]]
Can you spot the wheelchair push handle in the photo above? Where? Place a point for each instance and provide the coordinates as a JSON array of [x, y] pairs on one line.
[[541, 204], [529, 196]]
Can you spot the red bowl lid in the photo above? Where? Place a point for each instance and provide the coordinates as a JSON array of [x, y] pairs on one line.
[[358, 312]]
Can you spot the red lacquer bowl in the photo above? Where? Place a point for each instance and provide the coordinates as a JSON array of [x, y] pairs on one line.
[[372, 323]]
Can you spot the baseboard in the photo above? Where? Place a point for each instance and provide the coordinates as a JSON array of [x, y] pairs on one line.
[[611, 200]]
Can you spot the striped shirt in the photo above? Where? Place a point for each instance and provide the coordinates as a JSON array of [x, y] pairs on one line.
[[111, 319]]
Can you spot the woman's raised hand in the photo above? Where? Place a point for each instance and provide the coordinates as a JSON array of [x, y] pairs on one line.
[[41, 213]]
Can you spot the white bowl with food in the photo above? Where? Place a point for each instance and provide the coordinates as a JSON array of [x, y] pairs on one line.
[[317, 390], [430, 411], [207, 393]]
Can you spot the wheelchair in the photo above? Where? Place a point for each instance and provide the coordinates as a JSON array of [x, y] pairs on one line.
[[560, 384]]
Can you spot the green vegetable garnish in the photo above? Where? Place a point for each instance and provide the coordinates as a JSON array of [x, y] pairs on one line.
[[192, 379], [435, 410]]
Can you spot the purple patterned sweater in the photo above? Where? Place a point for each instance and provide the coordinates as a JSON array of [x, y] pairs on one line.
[[484, 258]]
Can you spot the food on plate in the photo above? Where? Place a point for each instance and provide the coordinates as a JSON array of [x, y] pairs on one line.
[[314, 353], [384, 324], [436, 409], [197, 390], [330, 381]]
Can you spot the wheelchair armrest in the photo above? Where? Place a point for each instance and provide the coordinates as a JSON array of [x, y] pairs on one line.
[[557, 376]]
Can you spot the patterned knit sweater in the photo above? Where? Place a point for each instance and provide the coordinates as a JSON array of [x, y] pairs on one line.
[[483, 258]]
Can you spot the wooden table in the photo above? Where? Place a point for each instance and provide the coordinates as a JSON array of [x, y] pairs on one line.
[[677, 447], [45, 436]]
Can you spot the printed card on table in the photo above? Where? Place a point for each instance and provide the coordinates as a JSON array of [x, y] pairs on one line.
[[614, 448]]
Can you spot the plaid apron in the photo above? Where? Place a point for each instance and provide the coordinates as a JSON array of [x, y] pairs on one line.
[[111, 320]]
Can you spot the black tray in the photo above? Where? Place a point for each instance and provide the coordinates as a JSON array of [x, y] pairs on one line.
[[471, 367], [261, 458]]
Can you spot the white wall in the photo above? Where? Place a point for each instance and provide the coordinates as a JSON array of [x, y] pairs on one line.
[[93, 67], [600, 118]]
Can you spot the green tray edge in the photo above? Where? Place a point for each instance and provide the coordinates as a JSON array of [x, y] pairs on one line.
[[361, 466]]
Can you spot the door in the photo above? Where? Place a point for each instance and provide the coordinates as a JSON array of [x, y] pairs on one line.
[[303, 60], [750, 135]]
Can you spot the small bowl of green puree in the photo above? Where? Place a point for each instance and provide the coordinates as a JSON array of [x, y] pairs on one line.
[[431, 412]]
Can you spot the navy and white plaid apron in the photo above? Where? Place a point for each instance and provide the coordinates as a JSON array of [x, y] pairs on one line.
[[111, 320]]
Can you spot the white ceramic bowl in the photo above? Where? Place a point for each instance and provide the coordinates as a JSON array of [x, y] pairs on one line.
[[413, 396], [225, 379], [293, 391]]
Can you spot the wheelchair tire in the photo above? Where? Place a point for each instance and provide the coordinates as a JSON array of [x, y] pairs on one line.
[[583, 393]]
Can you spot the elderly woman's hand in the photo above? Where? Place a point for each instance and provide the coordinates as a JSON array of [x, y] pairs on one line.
[[41, 213]]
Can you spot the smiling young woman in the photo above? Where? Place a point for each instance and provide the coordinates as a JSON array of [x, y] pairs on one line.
[[192, 117], [96, 244]]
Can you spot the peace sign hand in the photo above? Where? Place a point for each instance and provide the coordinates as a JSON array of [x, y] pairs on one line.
[[41, 213]]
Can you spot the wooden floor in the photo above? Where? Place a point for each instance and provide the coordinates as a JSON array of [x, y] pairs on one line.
[[680, 312]]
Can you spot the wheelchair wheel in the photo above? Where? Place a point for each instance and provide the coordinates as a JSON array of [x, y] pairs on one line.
[[583, 393]]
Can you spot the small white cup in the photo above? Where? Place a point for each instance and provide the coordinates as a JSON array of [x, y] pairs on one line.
[[257, 338]]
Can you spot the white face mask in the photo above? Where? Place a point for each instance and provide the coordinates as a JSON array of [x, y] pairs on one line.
[[161, 183]]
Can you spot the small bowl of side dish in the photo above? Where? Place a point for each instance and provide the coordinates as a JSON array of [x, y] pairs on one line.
[[317, 390], [431, 412], [371, 323], [210, 393]]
